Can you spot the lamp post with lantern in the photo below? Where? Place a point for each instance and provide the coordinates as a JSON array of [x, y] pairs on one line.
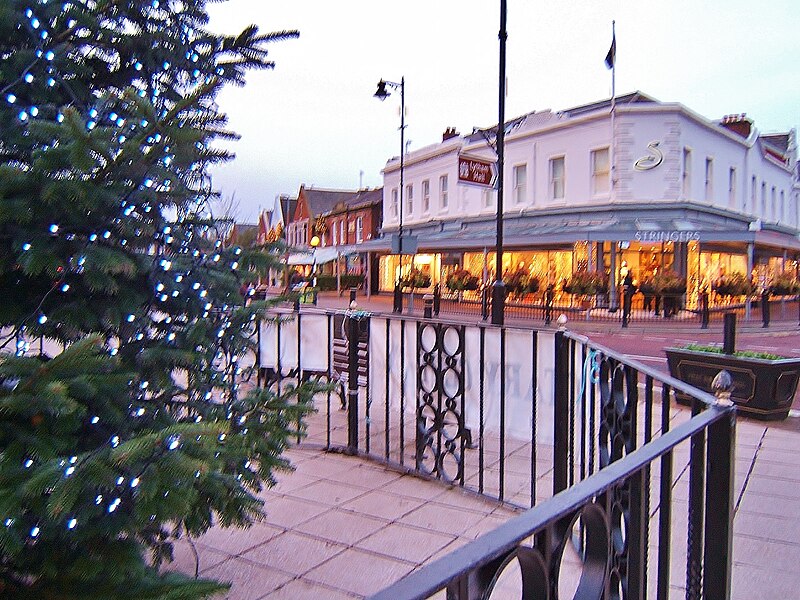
[[314, 243]]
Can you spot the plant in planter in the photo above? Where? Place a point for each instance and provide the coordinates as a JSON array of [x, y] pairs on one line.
[[733, 285], [586, 283], [521, 282], [784, 284], [461, 280], [764, 384], [670, 286], [415, 279]]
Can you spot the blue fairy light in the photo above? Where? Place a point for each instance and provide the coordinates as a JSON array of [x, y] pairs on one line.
[[34, 111], [26, 246], [137, 65], [60, 118], [134, 482], [72, 523], [42, 319], [114, 441], [51, 82], [120, 480], [95, 420], [28, 463], [131, 318], [49, 55], [98, 499], [35, 531], [35, 23], [93, 237], [28, 78], [22, 116], [113, 506], [11, 98], [53, 228], [65, 287]]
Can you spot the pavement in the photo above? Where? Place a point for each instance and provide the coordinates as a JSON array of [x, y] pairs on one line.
[[344, 527]]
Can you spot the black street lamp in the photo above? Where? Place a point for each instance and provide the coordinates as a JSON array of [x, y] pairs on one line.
[[499, 288], [381, 94]]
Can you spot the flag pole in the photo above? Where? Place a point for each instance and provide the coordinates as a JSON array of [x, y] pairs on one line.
[[613, 53]]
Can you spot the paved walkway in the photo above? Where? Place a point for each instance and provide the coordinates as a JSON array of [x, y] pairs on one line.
[[344, 527]]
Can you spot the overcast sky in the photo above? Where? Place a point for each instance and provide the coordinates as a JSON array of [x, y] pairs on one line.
[[313, 119]]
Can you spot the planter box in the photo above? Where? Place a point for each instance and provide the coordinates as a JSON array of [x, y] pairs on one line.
[[761, 388]]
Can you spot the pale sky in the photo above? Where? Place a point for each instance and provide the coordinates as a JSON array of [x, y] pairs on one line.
[[313, 118]]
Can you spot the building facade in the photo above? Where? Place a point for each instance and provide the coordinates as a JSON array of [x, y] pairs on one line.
[[667, 190]]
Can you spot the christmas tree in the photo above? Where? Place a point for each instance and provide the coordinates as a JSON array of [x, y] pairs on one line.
[[123, 420]]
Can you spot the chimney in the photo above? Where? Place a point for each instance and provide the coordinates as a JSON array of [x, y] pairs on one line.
[[450, 132], [738, 124]]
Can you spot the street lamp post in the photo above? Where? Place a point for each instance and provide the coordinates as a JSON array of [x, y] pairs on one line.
[[381, 94], [499, 288], [314, 243]]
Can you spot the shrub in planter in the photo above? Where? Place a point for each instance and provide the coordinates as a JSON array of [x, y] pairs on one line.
[[328, 282], [415, 278], [733, 285], [669, 282], [784, 284], [587, 283], [460, 280], [521, 282]]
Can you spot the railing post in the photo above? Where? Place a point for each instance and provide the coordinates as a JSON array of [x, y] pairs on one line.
[[561, 413], [485, 302], [437, 299], [398, 299], [765, 308], [548, 304], [694, 547], [353, 330], [703, 310], [729, 333], [717, 570]]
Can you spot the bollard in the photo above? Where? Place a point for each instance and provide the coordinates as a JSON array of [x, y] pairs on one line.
[[427, 304], [352, 294], [729, 333], [765, 308], [704, 311], [437, 299], [353, 331], [398, 299], [296, 306], [627, 297]]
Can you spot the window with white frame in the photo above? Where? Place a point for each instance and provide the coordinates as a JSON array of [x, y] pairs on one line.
[[342, 232], [426, 196], [488, 196], [709, 178], [359, 229], [557, 177], [687, 173], [395, 209], [443, 192], [520, 184], [601, 171], [333, 233], [732, 186], [409, 199]]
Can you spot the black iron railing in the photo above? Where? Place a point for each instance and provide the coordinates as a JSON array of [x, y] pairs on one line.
[[520, 416]]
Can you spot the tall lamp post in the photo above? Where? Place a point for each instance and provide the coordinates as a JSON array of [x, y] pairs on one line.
[[499, 288], [381, 94], [314, 243]]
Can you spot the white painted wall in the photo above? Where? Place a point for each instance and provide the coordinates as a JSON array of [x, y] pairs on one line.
[[549, 135]]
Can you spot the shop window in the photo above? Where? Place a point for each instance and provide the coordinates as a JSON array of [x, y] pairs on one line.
[[426, 197], [557, 173], [520, 183], [443, 192], [601, 172], [409, 199], [686, 178], [709, 178]]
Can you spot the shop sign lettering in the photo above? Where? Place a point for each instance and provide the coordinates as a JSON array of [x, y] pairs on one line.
[[667, 236], [473, 170]]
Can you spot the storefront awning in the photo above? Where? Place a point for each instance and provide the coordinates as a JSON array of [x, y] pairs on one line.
[[320, 256]]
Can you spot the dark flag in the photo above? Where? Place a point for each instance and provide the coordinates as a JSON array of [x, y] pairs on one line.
[[611, 57]]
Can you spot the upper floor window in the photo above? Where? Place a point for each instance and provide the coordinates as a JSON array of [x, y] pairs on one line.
[[342, 232], [359, 229], [520, 183], [601, 172], [753, 194], [333, 233], [409, 199], [709, 178], [763, 200], [783, 206], [732, 186], [395, 209], [557, 175], [686, 182], [774, 206], [488, 195], [426, 196], [443, 192]]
